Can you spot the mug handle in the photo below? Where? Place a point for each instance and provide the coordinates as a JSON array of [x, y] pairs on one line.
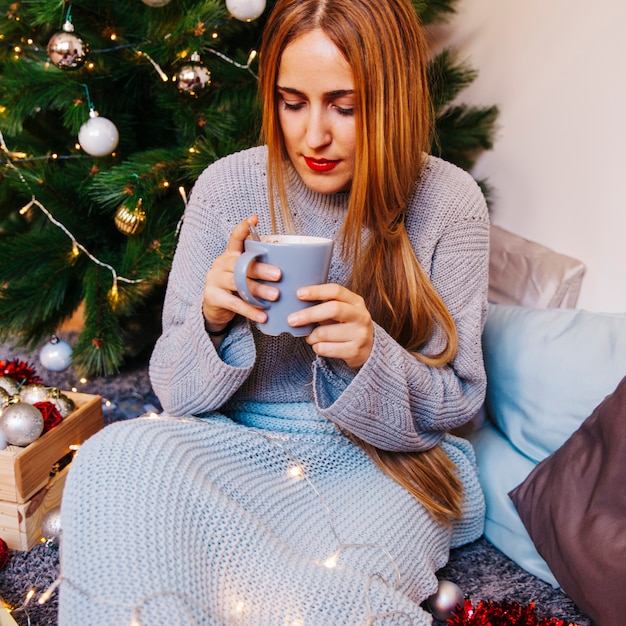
[[241, 279]]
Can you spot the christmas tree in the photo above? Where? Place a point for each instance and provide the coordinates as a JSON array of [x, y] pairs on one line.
[[109, 111]]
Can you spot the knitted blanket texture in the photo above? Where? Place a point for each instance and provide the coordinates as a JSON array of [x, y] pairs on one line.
[[267, 517]]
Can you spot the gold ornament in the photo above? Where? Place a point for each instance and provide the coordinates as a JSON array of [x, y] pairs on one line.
[[130, 221]]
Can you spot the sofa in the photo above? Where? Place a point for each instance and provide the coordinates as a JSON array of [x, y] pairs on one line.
[[551, 439]]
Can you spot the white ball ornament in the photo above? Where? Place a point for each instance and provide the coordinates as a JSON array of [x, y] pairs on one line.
[[245, 10], [56, 355], [21, 423], [443, 603], [98, 136]]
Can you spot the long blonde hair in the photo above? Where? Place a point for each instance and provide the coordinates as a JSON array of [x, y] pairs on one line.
[[385, 47]]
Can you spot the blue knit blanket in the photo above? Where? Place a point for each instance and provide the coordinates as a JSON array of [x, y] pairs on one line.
[[269, 516]]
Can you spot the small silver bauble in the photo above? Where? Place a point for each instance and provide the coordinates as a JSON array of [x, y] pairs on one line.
[[56, 355], [21, 423], [34, 392], [64, 404], [9, 385], [51, 526], [5, 396], [193, 77], [66, 49], [443, 603]]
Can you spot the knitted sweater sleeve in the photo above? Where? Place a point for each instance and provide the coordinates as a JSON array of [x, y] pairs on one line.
[[184, 358], [394, 401]]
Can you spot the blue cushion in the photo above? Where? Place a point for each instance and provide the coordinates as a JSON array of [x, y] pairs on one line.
[[547, 370], [501, 468]]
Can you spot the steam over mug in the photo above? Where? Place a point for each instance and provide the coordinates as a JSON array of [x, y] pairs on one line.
[[303, 261]]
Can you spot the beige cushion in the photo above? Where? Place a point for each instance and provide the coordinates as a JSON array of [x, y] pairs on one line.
[[526, 273]]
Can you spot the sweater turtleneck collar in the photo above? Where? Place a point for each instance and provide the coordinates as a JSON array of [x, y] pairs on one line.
[[302, 198]]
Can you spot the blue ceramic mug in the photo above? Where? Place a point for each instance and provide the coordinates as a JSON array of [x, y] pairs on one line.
[[303, 261]]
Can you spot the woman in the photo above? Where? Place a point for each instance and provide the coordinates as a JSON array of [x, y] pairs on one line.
[[316, 483]]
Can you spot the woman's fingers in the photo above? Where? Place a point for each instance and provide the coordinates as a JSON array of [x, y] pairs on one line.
[[344, 325]]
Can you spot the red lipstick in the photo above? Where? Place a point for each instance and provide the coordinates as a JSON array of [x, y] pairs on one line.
[[320, 165]]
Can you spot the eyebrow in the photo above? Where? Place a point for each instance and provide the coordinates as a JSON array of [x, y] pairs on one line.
[[337, 93]]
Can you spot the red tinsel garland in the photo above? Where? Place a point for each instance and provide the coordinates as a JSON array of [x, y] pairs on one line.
[[505, 613], [19, 371], [50, 414], [4, 553]]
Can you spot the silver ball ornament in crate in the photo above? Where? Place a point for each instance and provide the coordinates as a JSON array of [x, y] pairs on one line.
[[443, 603], [98, 136], [56, 355], [21, 423], [193, 76], [34, 392], [64, 404], [66, 49], [9, 385], [51, 526], [5, 396]]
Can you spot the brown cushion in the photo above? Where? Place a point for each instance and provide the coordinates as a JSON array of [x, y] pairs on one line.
[[526, 273], [573, 505]]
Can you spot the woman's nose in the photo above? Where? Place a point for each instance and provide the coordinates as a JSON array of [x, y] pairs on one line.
[[318, 131]]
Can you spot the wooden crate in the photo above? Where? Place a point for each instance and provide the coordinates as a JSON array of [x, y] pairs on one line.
[[29, 487], [20, 524]]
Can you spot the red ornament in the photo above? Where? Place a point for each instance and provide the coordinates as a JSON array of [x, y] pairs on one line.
[[4, 553], [505, 613], [20, 371], [50, 414]]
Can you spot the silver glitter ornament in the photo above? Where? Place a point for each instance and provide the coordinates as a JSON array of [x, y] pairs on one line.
[[21, 423], [64, 404], [66, 49], [51, 526], [35, 392], [9, 385], [5, 396], [443, 603]]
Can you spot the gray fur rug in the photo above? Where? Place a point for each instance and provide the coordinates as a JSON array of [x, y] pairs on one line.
[[479, 569]]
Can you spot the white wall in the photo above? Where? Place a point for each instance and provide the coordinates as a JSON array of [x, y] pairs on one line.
[[557, 70]]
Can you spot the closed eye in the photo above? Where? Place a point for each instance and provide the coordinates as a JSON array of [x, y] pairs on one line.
[[292, 106], [344, 110]]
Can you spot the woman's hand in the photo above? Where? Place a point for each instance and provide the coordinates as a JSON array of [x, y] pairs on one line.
[[345, 330], [221, 302]]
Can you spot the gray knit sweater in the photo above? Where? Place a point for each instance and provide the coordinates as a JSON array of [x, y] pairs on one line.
[[393, 401]]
